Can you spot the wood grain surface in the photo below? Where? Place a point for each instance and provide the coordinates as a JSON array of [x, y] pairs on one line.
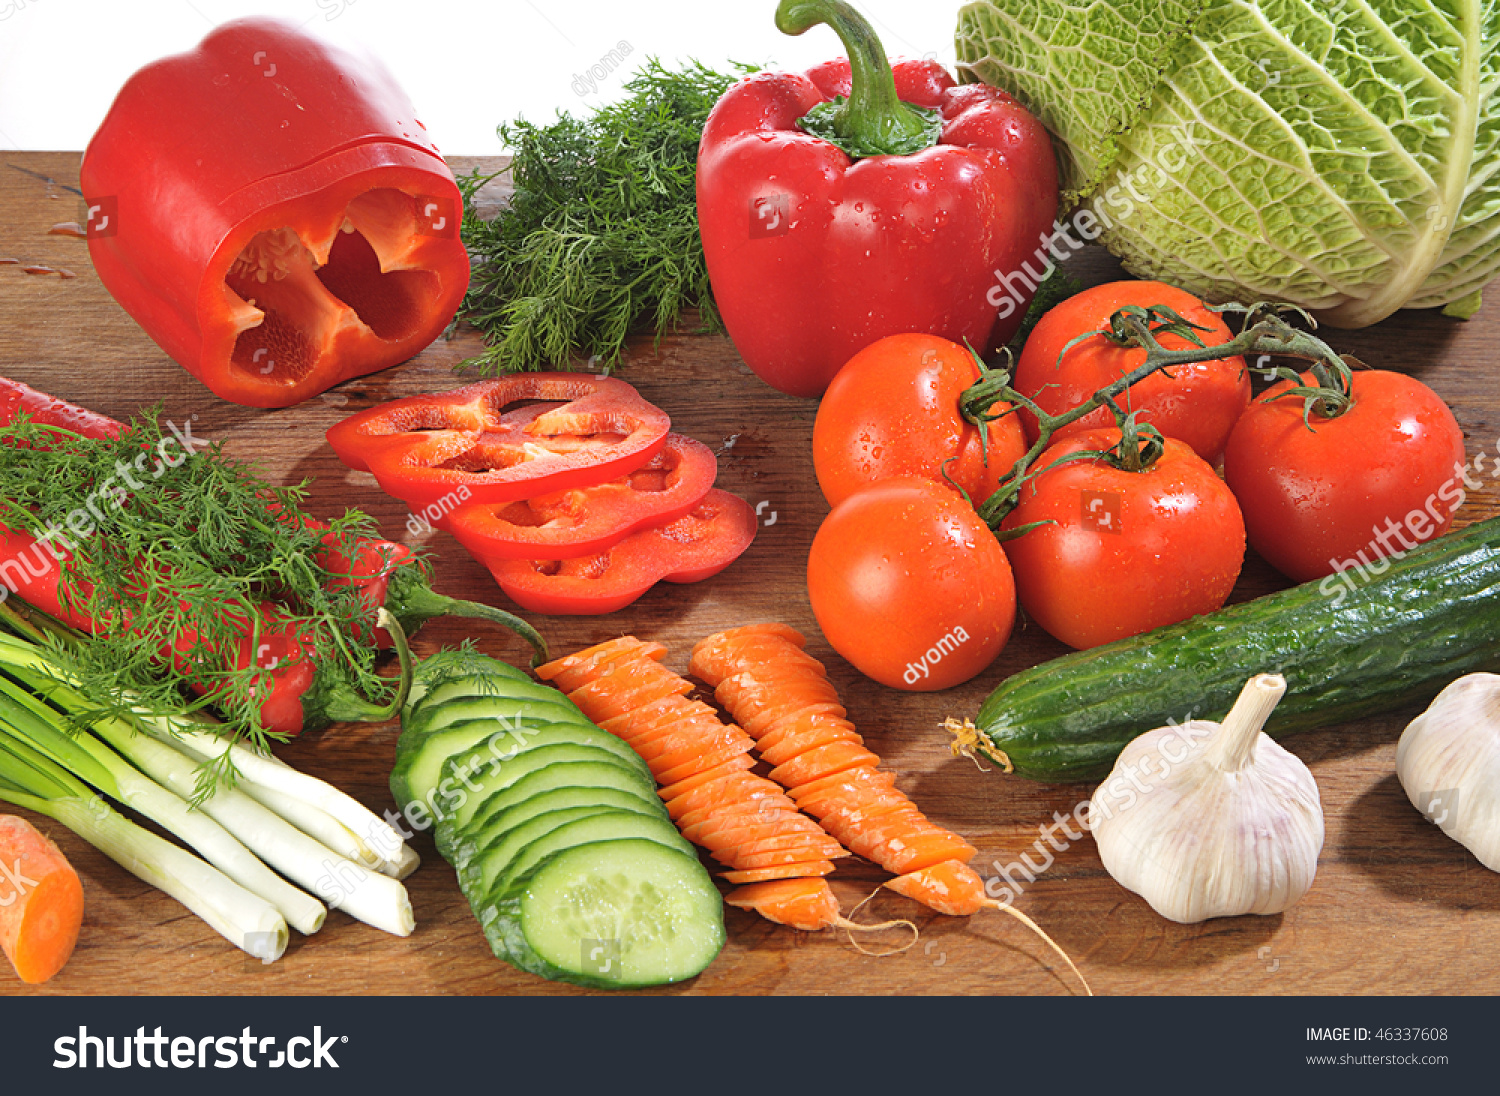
[[1397, 908]]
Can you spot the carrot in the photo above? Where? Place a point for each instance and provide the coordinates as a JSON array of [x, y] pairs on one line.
[[745, 821], [764, 678], [807, 903], [41, 902]]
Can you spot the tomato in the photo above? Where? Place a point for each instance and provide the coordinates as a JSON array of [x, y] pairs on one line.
[[1197, 404], [1124, 552], [910, 585], [1379, 479], [893, 410]]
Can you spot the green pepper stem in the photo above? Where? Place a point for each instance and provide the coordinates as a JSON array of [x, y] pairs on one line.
[[873, 118]]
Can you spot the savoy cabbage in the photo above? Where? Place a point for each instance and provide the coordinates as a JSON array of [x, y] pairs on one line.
[[1340, 154]]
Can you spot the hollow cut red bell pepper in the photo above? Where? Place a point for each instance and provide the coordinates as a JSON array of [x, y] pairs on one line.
[[464, 446], [696, 546], [859, 201], [270, 210], [582, 521]]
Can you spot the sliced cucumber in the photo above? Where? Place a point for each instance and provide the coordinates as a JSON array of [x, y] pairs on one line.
[[520, 699], [610, 826], [452, 665], [419, 758], [533, 772], [472, 848], [477, 686], [513, 746], [484, 867], [612, 915]]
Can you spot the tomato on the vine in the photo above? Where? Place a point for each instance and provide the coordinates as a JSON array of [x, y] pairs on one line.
[[1332, 493], [894, 410], [1122, 551], [1197, 404], [910, 585]]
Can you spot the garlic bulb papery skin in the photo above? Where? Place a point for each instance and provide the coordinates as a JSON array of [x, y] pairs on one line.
[[1448, 761], [1212, 820]]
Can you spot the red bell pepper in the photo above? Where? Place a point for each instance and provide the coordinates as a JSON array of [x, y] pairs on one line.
[[388, 575], [270, 210], [437, 451], [829, 223], [583, 521], [694, 547]]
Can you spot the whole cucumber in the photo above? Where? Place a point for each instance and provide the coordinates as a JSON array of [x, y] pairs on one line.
[[1349, 645]]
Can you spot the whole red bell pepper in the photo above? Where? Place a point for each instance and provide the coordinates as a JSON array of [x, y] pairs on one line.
[[270, 210], [859, 201]]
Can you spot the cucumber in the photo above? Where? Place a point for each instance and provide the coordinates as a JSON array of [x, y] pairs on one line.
[[611, 915], [466, 686], [607, 826], [1393, 639], [418, 772], [513, 747], [448, 665], [490, 863], [481, 840], [454, 836]]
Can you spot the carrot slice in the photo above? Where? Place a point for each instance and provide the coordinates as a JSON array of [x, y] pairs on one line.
[[951, 887], [734, 787], [785, 735], [807, 903], [820, 846], [626, 687], [669, 792], [786, 871], [856, 782], [867, 836], [43, 898], [571, 671], [706, 761], [727, 831], [746, 812], [671, 750], [836, 757], [762, 727], [773, 858], [712, 655], [901, 855]]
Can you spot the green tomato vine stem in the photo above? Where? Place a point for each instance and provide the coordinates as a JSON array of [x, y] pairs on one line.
[[1265, 332]]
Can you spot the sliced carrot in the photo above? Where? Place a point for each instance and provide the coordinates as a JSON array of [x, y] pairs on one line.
[[786, 871], [951, 887], [626, 687], [668, 751], [43, 902], [867, 836], [746, 813], [771, 699], [836, 757], [725, 832], [860, 782], [773, 858], [734, 787], [821, 847], [847, 817], [706, 761], [903, 855], [571, 671], [712, 656], [669, 792], [764, 727], [807, 904]]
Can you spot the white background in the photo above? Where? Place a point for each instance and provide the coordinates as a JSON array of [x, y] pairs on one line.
[[466, 65]]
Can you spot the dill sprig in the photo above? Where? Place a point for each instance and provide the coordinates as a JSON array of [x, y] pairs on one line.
[[601, 233], [191, 551]]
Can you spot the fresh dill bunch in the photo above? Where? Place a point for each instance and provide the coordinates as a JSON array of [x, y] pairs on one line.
[[188, 553], [601, 233]]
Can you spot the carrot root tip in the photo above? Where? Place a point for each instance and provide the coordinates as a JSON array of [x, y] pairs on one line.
[[1034, 927]]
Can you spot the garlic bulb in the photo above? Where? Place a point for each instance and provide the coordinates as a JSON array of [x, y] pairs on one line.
[[1448, 760], [1212, 820]]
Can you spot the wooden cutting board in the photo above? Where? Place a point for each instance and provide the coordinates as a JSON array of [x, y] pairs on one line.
[[1398, 908]]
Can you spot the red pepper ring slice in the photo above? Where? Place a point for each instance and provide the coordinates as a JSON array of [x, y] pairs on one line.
[[423, 449], [694, 547], [584, 521]]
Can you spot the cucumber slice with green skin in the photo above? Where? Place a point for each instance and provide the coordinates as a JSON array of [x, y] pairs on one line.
[[419, 758], [484, 867], [520, 699], [610, 826], [611, 915], [418, 771], [517, 784], [450, 666], [478, 686], [473, 848]]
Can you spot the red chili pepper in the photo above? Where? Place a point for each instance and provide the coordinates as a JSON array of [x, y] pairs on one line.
[[815, 253], [690, 549], [388, 575], [461, 446], [583, 521], [271, 212]]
